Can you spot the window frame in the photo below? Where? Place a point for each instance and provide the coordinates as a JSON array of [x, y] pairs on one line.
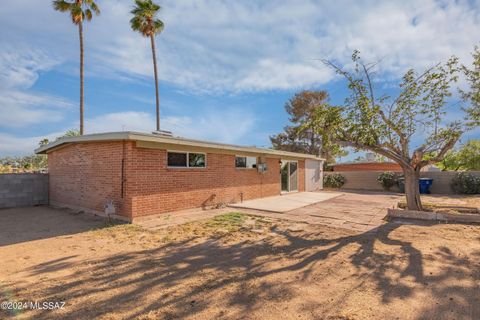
[[187, 153], [244, 156]]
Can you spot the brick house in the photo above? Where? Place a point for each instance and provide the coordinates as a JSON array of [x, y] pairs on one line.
[[142, 174]]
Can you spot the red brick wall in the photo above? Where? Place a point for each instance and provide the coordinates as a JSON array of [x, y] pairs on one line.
[[86, 175], [157, 188], [380, 166]]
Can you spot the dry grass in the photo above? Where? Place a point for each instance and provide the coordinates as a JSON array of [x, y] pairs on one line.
[[222, 226], [447, 207]]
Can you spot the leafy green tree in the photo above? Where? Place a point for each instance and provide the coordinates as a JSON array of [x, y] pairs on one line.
[[466, 158], [145, 22], [43, 142], [473, 94], [79, 11], [70, 133], [385, 125], [312, 121]]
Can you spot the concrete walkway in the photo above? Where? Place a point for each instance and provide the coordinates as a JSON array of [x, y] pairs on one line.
[[352, 210], [286, 202], [356, 211]]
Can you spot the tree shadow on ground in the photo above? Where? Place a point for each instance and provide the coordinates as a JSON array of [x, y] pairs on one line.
[[234, 280], [24, 224]]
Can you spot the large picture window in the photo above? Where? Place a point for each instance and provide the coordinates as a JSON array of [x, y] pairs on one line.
[[186, 159], [245, 162]]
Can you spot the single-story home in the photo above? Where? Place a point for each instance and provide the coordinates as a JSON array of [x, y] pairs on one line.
[[131, 174]]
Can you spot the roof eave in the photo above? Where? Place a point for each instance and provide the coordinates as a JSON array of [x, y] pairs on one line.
[[137, 136]]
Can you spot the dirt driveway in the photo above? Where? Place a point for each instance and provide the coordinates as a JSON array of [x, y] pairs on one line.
[[237, 266]]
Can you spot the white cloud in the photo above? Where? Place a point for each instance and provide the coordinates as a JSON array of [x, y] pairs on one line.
[[19, 70], [11, 145], [120, 121], [236, 46], [243, 46], [19, 66], [228, 126]]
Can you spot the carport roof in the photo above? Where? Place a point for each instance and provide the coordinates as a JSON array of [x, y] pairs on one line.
[[167, 140]]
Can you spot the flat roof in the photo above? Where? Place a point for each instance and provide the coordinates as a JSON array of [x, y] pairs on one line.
[[164, 139]]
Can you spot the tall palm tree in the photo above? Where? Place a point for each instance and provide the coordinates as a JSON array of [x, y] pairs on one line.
[[144, 21], [79, 10]]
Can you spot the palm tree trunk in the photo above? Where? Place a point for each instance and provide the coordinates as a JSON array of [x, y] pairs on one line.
[[80, 33], [152, 40]]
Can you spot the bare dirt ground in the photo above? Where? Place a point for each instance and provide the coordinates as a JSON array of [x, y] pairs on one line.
[[237, 266]]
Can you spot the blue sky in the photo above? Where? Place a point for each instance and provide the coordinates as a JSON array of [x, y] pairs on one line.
[[226, 67]]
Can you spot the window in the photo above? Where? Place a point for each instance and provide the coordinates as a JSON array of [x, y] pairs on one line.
[[196, 160], [185, 160], [245, 162], [176, 159]]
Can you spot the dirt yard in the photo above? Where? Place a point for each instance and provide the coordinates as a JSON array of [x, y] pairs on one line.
[[236, 266]]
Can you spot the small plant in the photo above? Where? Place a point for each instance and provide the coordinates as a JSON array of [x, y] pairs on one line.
[[466, 183], [387, 179], [334, 180]]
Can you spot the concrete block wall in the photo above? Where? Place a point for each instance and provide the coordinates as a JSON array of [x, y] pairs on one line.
[[23, 189], [367, 180]]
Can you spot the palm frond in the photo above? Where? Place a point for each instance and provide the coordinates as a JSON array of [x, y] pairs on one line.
[[61, 5], [158, 26], [144, 20], [95, 8], [88, 14], [78, 11]]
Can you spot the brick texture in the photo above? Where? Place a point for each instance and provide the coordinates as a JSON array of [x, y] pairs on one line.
[[86, 175]]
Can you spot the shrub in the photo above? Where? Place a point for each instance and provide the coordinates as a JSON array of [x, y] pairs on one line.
[[387, 179], [467, 183], [334, 180]]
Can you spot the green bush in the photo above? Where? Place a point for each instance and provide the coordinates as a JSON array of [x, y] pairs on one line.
[[466, 183], [387, 179], [334, 180]]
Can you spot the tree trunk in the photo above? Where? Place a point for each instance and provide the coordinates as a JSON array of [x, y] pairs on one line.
[[412, 191], [80, 33], [152, 40]]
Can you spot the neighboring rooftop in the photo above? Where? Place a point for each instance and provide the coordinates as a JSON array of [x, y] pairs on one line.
[[165, 139]]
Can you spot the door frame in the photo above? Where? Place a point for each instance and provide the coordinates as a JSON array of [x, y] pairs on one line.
[[283, 161]]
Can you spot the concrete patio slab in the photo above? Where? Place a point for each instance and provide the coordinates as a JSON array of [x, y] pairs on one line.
[[356, 211], [286, 202]]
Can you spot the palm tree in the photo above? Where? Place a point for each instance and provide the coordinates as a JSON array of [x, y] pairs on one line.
[[145, 22], [79, 10]]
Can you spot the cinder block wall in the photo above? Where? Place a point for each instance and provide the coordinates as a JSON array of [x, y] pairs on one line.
[[367, 180], [23, 189], [380, 166]]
